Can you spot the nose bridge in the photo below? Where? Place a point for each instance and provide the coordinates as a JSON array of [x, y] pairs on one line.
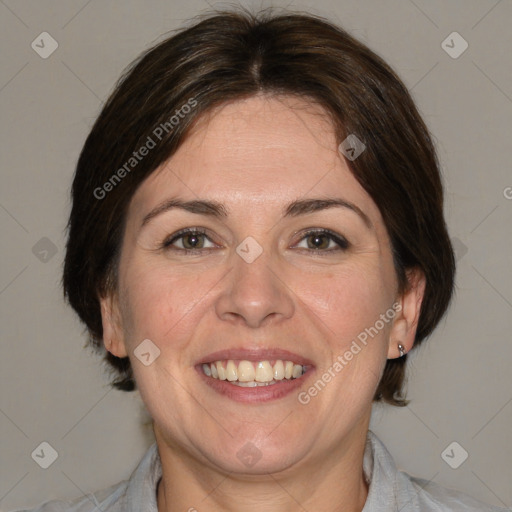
[[254, 291]]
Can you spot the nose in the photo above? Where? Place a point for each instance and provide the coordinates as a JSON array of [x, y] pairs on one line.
[[254, 293]]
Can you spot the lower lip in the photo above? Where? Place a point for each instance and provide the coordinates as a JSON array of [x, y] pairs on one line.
[[257, 393]]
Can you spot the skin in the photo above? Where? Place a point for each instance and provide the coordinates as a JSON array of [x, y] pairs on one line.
[[255, 157]]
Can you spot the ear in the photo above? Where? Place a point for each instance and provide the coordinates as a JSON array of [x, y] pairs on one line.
[[113, 338], [404, 327]]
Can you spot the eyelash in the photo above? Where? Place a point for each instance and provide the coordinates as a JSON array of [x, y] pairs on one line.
[[341, 241]]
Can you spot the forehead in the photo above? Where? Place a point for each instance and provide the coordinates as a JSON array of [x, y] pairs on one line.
[[258, 151]]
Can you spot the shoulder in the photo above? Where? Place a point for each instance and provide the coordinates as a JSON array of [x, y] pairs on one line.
[[434, 497], [408, 493], [111, 499], [133, 495]]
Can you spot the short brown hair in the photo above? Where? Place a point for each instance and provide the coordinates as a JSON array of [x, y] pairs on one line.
[[234, 55]]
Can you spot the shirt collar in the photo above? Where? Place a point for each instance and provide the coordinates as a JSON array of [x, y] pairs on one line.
[[389, 489], [142, 487], [378, 466]]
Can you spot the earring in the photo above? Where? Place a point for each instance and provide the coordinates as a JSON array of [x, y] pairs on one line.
[[401, 349]]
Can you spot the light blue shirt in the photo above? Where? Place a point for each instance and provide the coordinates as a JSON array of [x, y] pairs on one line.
[[390, 490]]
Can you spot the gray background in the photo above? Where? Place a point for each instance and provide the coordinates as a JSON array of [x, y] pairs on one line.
[[54, 390]]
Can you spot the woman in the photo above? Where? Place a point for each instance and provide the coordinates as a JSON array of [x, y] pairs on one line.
[[257, 241]]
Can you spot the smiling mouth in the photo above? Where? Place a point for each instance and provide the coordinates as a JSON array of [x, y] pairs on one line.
[[251, 374]]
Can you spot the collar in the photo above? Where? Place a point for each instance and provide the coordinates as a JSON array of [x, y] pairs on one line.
[[385, 483]]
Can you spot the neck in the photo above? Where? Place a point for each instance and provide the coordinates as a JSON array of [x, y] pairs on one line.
[[333, 481]]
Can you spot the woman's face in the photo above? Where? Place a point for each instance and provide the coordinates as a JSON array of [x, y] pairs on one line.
[[273, 275]]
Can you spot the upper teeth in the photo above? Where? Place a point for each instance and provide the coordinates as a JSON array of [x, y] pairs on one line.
[[248, 371]]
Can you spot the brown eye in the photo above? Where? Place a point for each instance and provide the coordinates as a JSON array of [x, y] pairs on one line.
[[318, 241], [193, 241], [323, 241], [188, 240]]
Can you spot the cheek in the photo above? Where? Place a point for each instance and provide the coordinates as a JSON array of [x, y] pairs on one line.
[[348, 301], [346, 308], [158, 302]]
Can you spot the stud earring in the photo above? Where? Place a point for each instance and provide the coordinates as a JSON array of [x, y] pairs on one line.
[[401, 349]]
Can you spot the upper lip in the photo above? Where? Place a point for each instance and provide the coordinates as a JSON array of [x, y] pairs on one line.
[[255, 355]]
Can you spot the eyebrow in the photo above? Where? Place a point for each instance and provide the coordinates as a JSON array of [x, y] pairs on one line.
[[218, 210], [304, 206]]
